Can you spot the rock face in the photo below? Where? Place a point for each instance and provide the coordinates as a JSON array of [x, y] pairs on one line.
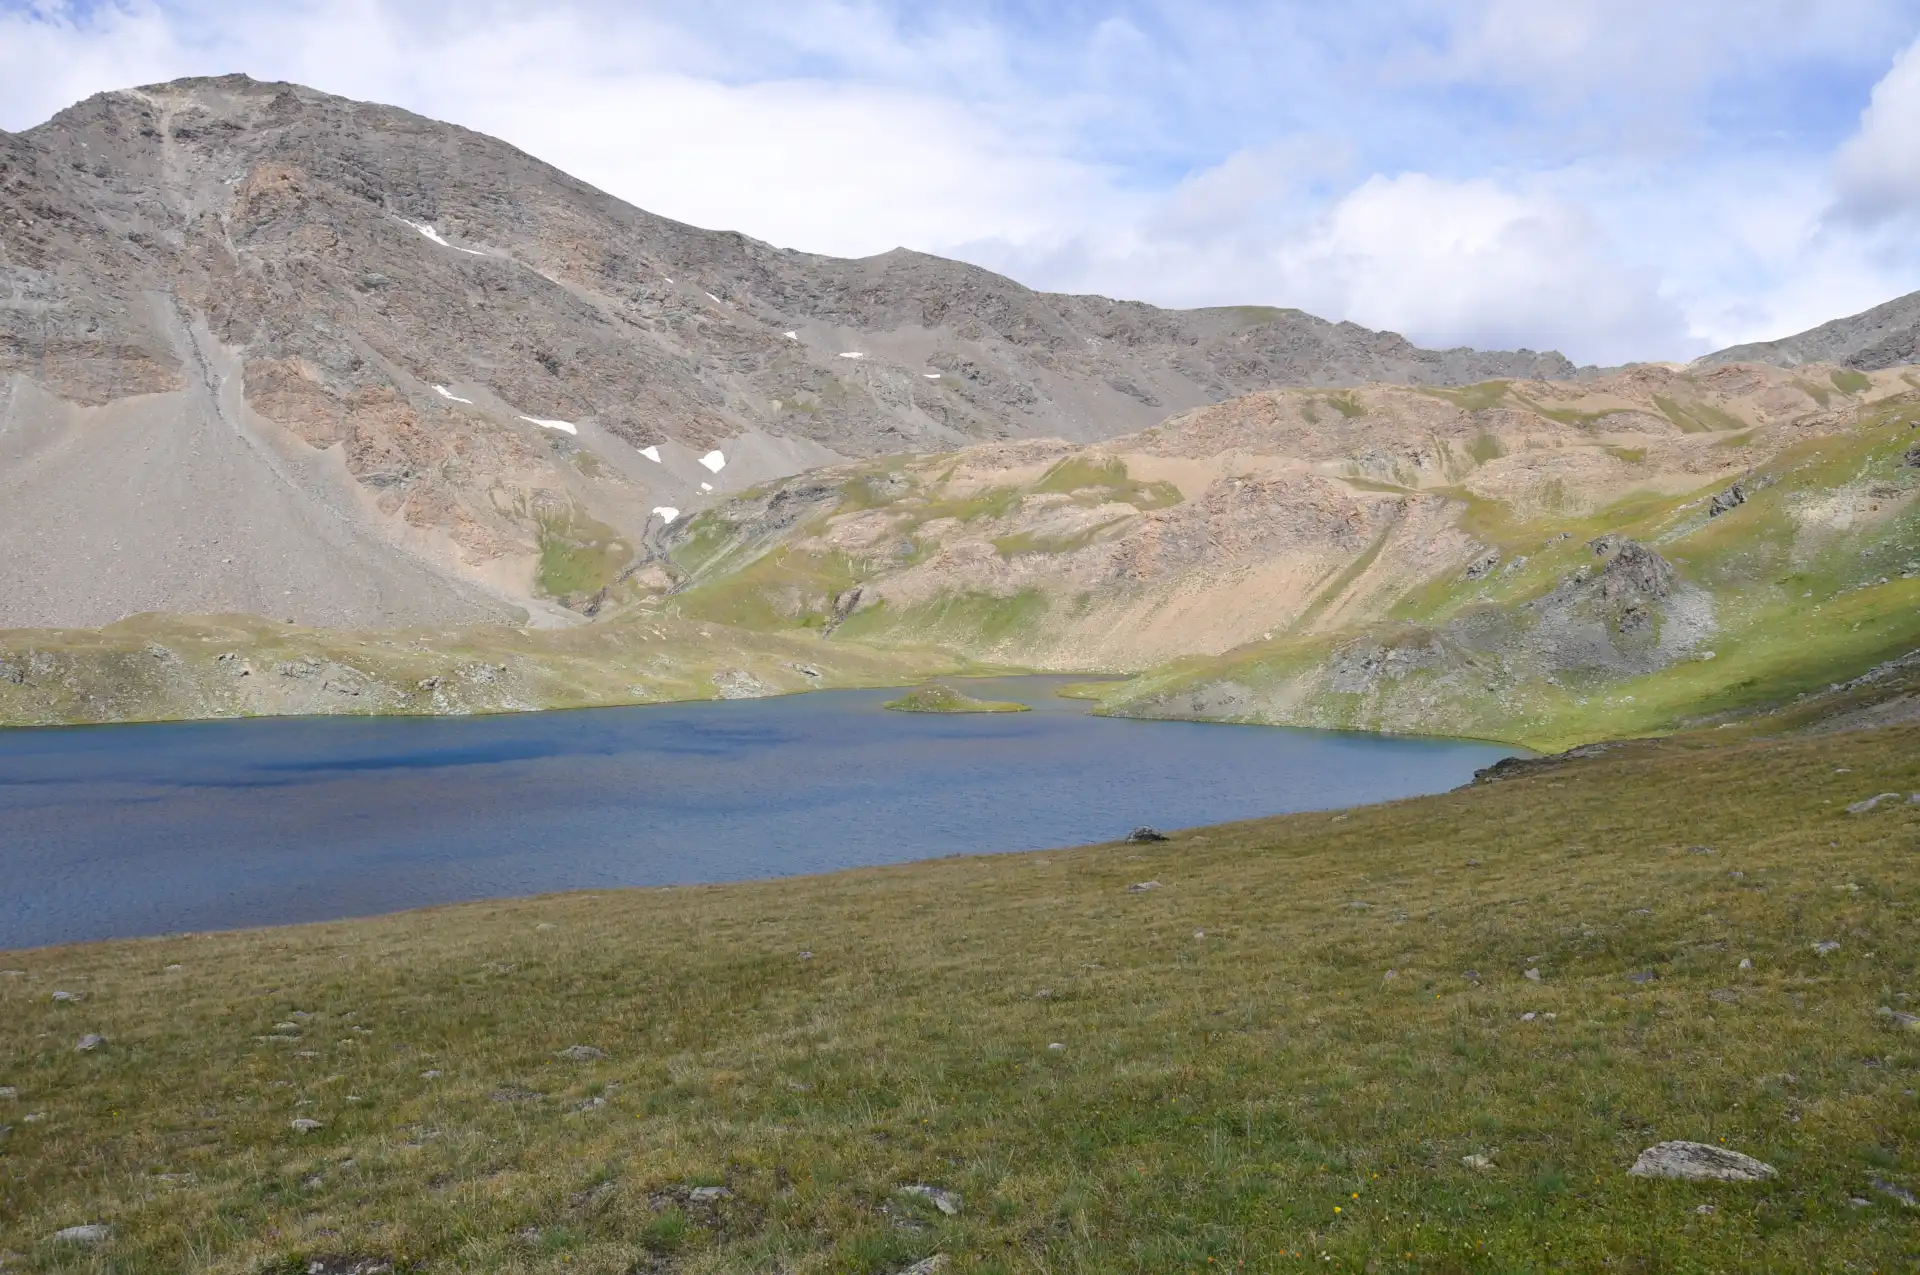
[[1699, 1162], [399, 363], [1886, 336]]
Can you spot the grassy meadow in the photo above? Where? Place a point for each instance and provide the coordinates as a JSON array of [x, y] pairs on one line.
[[1277, 1056]]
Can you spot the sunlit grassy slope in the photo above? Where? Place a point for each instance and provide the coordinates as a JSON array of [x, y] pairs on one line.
[[1814, 579], [1276, 1059]]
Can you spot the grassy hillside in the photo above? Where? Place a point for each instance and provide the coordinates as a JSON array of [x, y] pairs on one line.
[[1437, 562], [1812, 580], [1279, 1058], [159, 667]]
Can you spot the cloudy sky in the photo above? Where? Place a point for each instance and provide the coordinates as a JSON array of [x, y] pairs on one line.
[[1617, 179]]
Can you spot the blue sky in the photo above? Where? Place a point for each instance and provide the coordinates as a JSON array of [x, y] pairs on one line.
[[1618, 179]]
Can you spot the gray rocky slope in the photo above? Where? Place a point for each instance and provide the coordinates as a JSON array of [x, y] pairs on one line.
[[256, 341], [1886, 336]]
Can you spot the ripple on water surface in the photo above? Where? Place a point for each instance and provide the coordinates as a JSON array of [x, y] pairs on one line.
[[127, 830]]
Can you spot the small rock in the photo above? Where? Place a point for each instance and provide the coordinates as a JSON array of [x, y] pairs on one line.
[[304, 1125], [1700, 850], [948, 1202], [1358, 906], [1732, 498], [1478, 1163], [1746, 962], [33, 1117], [1144, 834], [1826, 946], [1871, 803], [806, 956], [434, 1074], [1705, 1210], [8, 1092], [90, 1042], [1855, 1202], [1391, 974], [580, 1053], [1641, 976], [932, 1266], [1698, 1162], [1056, 1045], [709, 1194], [1911, 1022], [70, 998], [1894, 1191], [91, 1233], [1043, 994], [1199, 934], [1528, 1017], [1141, 887], [544, 925], [1472, 976], [1532, 975]]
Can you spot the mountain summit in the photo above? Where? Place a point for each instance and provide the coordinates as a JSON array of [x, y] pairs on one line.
[[248, 312]]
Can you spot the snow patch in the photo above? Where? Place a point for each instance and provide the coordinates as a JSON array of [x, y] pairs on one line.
[[852, 354], [793, 336], [931, 376], [426, 228], [565, 427], [667, 512], [651, 453], [706, 486], [715, 461], [712, 298], [450, 396]]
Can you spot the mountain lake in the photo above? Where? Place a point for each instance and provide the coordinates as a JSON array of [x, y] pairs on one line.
[[122, 831]]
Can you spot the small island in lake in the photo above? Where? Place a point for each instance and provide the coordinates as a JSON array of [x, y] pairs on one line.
[[935, 698]]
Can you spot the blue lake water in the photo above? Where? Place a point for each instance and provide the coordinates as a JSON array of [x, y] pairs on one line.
[[117, 831]]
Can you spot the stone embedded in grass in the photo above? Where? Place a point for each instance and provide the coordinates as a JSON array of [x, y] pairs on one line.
[[709, 1194], [1909, 1022], [931, 1266], [305, 1125], [433, 1074], [1699, 1162], [1641, 976], [89, 1042], [948, 1202], [1532, 975], [1825, 946], [1871, 803], [1746, 962], [1528, 1017], [1894, 1191], [581, 1053], [8, 1093], [70, 998], [1478, 1163], [91, 1233], [1141, 887]]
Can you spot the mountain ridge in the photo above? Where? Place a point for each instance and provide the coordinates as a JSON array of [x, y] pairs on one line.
[[511, 368]]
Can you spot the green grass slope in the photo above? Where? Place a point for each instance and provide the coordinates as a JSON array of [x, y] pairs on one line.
[[1278, 1059], [159, 667], [1811, 581]]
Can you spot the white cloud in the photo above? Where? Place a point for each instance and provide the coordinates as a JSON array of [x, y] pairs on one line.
[[1878, 170], [1480, 263]]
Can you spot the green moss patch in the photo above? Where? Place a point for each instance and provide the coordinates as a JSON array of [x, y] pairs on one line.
[[941, 698]]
